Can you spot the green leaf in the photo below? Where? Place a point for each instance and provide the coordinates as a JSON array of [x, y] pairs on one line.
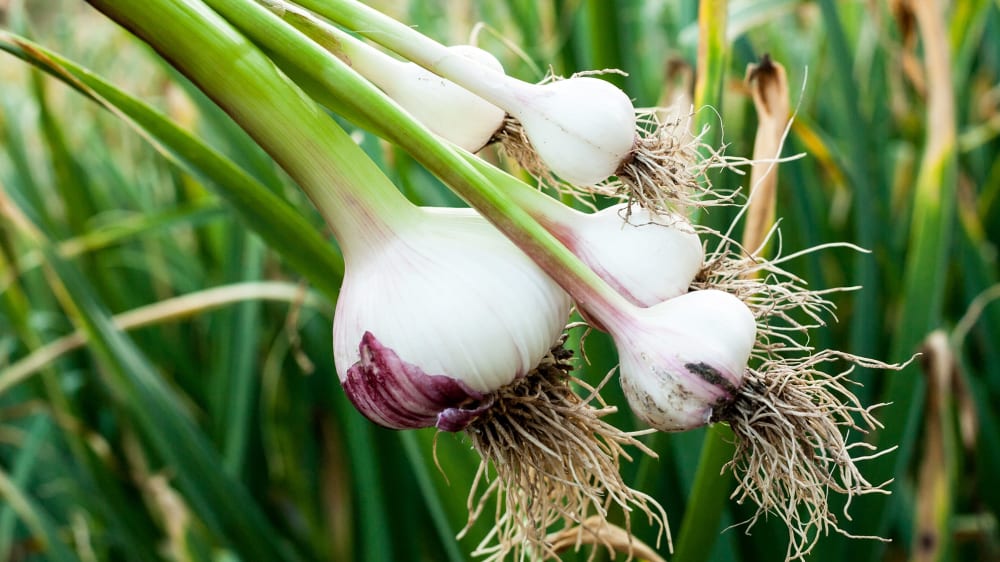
[[24, 466], [39, 522], [222, 502], [280, 226]]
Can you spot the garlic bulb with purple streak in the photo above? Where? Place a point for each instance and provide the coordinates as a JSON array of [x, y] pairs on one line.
[[683, 361], [431, 322]]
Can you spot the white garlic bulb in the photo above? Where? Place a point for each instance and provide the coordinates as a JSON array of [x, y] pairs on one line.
[[433, 320], [683, 361]]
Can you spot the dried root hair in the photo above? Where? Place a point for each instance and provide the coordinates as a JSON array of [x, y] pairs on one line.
[[515, 145], [599, 531], [668, 169], [666, 172], [792, 418], [548, 458]]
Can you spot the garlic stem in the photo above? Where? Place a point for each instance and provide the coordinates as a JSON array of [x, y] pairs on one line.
[[316, 153], [367, 60], [416, 47], [380, 68], [446, 108]]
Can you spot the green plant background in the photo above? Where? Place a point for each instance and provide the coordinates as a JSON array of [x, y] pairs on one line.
[[223, 434]]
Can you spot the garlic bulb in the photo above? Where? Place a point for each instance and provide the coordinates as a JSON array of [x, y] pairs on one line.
[[683, 361], [582, 128], [430, 322], [444, 107], [646, 258]]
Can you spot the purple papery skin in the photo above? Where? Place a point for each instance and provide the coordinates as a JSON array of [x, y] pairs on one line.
[[400, 395]]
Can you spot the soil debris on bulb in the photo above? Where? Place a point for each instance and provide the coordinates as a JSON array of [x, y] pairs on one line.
[[548, 458]]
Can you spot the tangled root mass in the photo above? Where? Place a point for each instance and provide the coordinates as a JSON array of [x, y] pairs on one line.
[[548, 458], [791, 418]]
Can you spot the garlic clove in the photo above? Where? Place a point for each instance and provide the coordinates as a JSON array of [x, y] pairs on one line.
[[583, 128], [682, 361], [450, 297]]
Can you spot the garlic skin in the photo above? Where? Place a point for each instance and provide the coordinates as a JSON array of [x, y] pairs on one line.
[[646, 258], [433, 320], [683, 360], [447, 109], [582, 128]]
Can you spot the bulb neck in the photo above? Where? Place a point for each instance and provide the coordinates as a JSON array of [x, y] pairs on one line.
[[375, 65], [597, 298]]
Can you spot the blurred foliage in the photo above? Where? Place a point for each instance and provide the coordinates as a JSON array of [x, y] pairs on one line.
[[222, 433]]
